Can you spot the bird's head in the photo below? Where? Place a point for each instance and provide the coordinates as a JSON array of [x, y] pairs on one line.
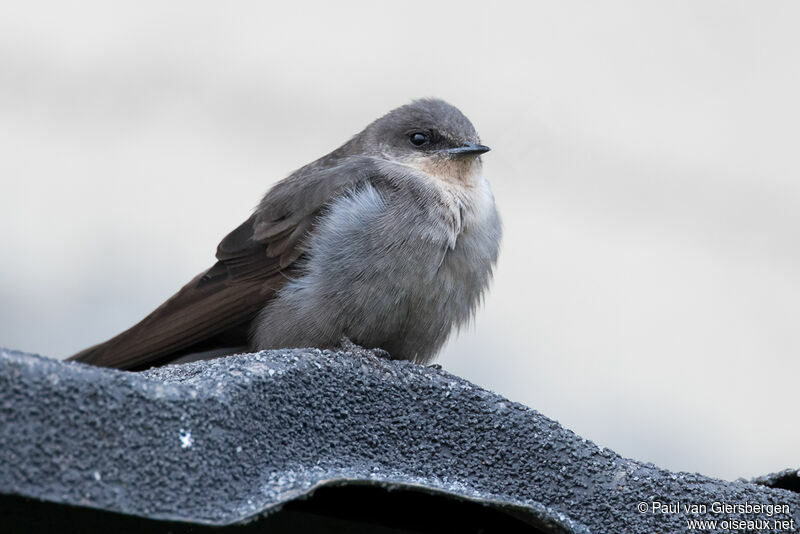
[[429, 135]]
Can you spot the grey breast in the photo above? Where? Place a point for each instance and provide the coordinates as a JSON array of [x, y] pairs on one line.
[[388, 267]]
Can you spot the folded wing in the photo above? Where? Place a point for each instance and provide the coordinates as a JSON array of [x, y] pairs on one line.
[[216, 308]]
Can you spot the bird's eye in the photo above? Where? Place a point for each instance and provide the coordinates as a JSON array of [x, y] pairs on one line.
[[418, 138]]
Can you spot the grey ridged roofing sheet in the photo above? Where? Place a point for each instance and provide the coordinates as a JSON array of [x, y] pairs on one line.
[[222, 441]]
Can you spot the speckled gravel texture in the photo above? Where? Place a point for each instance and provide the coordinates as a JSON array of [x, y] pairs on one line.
[[221, 441]]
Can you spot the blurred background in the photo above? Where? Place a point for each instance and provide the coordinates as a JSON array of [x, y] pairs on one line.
[[645, 162]]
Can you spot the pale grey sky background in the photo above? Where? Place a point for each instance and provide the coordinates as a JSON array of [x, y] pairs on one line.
[[645, 163]]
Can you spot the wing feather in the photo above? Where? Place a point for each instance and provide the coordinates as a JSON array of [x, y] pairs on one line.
[[252, 263]]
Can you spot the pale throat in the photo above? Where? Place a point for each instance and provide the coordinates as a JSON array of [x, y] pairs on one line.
[[460, 180], [459, 172]]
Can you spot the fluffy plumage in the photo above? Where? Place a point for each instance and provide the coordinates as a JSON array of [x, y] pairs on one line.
[[383, 242]]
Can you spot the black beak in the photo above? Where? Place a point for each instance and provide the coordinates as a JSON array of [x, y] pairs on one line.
[[467, 149]]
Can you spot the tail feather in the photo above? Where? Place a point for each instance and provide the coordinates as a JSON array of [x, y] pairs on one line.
[[198, 317]]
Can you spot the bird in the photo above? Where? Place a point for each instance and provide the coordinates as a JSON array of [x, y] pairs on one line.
[[388, 242]]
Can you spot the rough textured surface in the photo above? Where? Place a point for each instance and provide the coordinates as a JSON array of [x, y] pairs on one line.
[[223, 441], [787, 479]]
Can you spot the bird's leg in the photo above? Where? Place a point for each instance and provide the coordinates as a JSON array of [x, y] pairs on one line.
[[346, 345]]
